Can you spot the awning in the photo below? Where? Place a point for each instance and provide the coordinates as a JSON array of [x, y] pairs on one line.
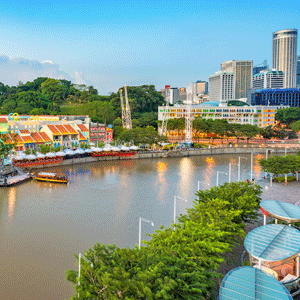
[[273, 242], [282, 210], [245, 283]]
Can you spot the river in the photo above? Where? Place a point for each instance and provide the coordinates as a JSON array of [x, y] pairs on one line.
[[43, 224]]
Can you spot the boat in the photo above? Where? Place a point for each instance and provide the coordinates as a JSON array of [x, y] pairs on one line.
[[13, 176], [51, 177]]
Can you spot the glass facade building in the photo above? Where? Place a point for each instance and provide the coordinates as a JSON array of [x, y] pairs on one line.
[[276, 97]]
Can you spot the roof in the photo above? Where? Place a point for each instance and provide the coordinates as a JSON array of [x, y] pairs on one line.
[[282, 210], [71, 129], [82, 127], [27, 139], [24, 131], [81, 137], [53, 129], [251, 283], [9, 139], [273, 242], [45, 136], [62, 129], [3, 120], [37, 137]]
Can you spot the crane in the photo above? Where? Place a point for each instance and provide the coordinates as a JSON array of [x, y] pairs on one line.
[[128, 112], [123, 109], [165, 117], [189, 121]]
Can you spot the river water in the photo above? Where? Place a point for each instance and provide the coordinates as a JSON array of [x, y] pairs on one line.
[[42, 224]]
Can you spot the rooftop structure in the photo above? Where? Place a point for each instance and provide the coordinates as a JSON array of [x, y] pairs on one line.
[[268, 79]]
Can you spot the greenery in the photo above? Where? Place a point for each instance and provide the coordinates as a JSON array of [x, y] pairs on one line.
[[281, 164], [179, 262], [288, 115], [51, 96], [282, 179], [5, 147]]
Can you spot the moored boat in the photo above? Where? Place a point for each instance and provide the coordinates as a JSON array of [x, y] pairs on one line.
[[51, 177]]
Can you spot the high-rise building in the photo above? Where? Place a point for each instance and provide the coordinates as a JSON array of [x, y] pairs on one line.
[[298, 73], [285, 55], [172, 95], [260, 67], [202, 87], [268, 79], [242, 72], [221, 86]]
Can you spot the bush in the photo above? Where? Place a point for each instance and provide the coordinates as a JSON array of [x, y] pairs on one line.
[[282, 179]]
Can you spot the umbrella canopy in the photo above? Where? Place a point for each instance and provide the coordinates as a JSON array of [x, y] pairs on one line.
[[40, 155], [117, 149], [60, 153], [79, 151], [125, 148], [30, 157], [88, 150], [19, 157], [97, 149], [133, 147], [251, 283], [50, 154], [107, 148]]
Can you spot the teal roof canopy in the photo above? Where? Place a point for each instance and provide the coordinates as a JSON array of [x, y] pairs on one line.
[[245, 283], [282, 210], [273, 242]]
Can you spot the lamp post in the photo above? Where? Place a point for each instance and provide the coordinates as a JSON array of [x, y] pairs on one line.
[[251, 171], [79, 269], [140, 228], [201, 182], [218, 172], [175, 197], [239, 167]]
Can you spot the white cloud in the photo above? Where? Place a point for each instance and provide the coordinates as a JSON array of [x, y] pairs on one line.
[[13, 70]]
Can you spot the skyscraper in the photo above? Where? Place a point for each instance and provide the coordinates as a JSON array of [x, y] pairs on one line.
[[298, 72], [285, 55], [242, 72], [221, 86]]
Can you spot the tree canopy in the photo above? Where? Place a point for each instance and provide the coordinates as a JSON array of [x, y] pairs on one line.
[[179, 262]]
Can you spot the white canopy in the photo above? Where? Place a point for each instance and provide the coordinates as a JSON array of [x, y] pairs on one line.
[[40, 155], [79, 151], [30, 157], [133, 147], [60, 153], [50, 154], [125, 148]]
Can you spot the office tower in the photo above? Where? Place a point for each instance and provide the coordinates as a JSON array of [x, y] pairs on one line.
[[298, 72], [202, 87], [182, 94], [242, 72], [191, 91], [285, 55], [260, 67], [172, 95], [221, 86], [268, 79]]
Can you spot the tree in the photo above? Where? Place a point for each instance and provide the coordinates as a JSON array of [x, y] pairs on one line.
[[179, 262]]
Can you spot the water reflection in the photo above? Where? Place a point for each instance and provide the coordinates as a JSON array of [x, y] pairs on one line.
[[160, 183], [256, 166], [187, 170], [12, 197], [209, 169]]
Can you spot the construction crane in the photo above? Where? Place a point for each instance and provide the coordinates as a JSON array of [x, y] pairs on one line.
[[165, 117], [127, 111], [123, 109], [189, 121]]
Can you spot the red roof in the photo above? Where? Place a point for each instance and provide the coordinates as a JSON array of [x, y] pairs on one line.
[[24, 131], [81, 137], [27, 139], [45, 136], [7, 139], [62, 129], [54, 129], [37, 137], [82, 127], [71, 129], [3, 120]]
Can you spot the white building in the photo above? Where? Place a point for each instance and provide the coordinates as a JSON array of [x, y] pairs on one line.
[[221, 86], [268, 79], [242, 72], [261, 116], [285, 55]]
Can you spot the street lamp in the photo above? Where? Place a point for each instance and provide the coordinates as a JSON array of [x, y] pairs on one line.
[[239, 167], [140, 228], [175, 205], [218, 172], [79, 258], [201, 182]]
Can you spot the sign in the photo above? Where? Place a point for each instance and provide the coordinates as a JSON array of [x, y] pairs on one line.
[[167, 87], [16, 117]]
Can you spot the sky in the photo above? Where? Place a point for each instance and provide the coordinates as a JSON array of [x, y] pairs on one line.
[[109, 44]]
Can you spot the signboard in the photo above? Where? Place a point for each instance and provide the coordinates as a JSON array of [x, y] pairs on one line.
[[16, 117]]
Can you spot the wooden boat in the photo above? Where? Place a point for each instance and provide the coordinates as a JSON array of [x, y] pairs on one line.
[[51, 177]]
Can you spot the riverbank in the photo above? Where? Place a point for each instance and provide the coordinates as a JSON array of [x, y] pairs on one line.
[[173, 153]]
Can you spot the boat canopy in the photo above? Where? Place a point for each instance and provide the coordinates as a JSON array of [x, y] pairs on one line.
[[273, 242], [281, 210], [47, 174], [245, 283]]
